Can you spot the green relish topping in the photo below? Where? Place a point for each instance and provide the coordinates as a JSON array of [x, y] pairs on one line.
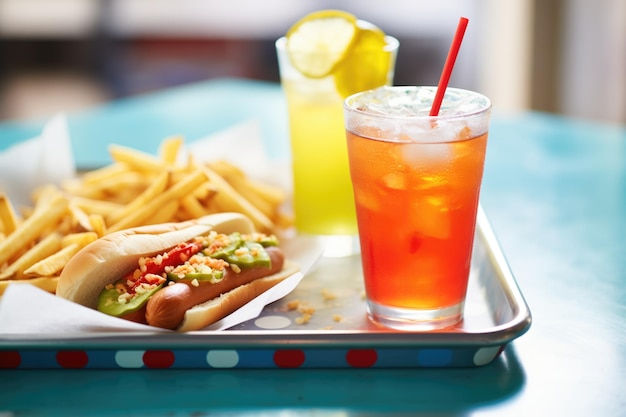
[[249, 255], [199, 261], [199, 267], [116, 300]]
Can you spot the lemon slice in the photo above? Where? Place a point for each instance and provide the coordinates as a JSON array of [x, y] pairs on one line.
[[367, 64], [318, 42]]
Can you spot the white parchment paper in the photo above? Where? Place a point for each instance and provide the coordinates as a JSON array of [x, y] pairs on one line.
[[45, 159], [26, 310]]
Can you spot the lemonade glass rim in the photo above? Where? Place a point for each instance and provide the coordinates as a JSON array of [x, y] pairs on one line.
[[391, 44]]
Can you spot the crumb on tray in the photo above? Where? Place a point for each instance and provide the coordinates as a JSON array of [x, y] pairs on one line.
[[328, 295]]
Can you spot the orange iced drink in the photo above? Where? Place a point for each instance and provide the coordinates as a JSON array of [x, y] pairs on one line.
[[416, 182]]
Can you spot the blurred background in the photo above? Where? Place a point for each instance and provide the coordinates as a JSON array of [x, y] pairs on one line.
[[559, 56]]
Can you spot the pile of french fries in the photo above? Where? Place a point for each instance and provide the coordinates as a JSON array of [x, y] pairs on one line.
[[136, 189]]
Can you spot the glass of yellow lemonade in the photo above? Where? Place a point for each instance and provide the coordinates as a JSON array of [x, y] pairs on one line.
[[325, 57]]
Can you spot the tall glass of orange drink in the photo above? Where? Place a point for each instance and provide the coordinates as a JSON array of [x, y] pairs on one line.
[[325, 57], [416, 181]]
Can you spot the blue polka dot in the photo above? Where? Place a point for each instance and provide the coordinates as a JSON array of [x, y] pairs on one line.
[[434, 357]]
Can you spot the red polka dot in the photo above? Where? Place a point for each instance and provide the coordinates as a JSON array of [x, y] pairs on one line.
[[361, 358], [158, 358], [293, 358], [72, 359], [10, 359]]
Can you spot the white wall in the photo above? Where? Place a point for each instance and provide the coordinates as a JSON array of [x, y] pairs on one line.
[[593, 69], [496, 57], [506, 53]]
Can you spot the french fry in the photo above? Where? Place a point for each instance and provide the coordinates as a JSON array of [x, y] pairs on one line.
[[97, 224], [124, 195], [94, 206], [46, 247], [81, 239], [273, 194], [79, 217], [54, 263], [48, 284], [193, 207], [26, 212], [8, 218], [164, 214], [43, 196], [169, 150], [153, 191], [175, 192], [230, 200], [232, 173], [111, 188], [205, 192], [135, 189], [64, 226], [32, 227], [98, 175], [136, 159], [226, 169], [245, 189]]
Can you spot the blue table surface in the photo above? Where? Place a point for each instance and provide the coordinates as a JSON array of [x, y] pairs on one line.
[[555, 193]]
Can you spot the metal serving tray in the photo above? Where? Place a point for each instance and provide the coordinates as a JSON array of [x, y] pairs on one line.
[[321, 324]]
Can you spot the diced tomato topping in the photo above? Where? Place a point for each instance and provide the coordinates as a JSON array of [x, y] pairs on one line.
[[157, 264]]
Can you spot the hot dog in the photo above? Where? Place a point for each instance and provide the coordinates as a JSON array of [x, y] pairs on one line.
[[180, 276]]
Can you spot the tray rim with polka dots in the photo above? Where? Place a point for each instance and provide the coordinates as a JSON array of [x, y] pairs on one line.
[[496, 314]]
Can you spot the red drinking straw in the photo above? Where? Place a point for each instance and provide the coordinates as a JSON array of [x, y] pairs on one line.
[[447, 68]]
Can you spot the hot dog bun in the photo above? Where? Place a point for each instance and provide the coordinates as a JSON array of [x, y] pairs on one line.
[[112, 256], [213, 310]]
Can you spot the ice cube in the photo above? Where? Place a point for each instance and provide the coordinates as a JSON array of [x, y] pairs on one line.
[[429, 182], [432, 215], [367, 197], [396, 181], [427, 155]]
